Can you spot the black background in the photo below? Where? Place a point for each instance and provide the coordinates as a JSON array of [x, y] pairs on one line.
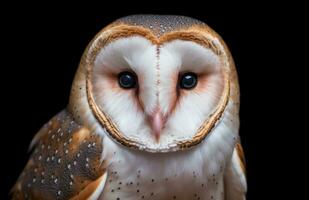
[[43, 44]]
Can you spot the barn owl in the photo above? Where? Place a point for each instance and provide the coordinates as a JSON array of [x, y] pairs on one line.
[[152, 114]]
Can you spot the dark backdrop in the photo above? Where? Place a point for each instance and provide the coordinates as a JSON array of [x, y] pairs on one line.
[[43, 44]]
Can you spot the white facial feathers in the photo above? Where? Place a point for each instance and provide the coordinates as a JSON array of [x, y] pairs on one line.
[[158, 69], [194, 106], [132, 54]]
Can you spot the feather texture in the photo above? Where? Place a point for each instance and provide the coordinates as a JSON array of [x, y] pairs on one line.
[[65, 162]]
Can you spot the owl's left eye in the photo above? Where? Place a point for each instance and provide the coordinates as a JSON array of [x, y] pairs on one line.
[[127, 80]]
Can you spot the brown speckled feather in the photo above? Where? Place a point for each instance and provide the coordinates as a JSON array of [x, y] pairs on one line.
[[65, 162]]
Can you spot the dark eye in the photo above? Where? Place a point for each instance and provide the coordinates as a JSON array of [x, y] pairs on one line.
[[127, 80], [188, 80]]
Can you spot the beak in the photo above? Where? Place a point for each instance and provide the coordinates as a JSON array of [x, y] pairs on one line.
[[157, 121]]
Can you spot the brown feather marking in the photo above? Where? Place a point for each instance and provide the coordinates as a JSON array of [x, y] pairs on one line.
[[66, 159], [241, 156], [89, 190]]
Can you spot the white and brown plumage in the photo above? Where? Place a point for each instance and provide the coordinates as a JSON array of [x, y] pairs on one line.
[[155, 139]]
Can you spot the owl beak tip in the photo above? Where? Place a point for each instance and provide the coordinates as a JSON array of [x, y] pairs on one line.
[[157, 121]]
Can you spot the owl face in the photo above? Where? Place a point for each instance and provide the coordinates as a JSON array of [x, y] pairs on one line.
[[156, 91]]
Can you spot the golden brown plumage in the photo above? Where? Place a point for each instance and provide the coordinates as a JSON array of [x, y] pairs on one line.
[[64, 162]]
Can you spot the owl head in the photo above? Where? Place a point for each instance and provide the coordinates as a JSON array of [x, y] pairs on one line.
[[155, 83]]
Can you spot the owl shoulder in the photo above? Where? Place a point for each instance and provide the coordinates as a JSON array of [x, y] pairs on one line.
[[235, 175], [65, 162]]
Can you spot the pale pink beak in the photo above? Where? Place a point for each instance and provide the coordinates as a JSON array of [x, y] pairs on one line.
[[157, 121]]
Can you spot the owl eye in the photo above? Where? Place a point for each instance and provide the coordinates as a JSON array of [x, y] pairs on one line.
[[188, 80], [127, 80]]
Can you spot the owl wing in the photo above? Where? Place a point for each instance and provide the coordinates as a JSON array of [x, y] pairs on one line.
[[235, 176], [65, 163]]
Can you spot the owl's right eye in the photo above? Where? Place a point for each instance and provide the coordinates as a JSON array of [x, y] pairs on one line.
[[188, 80], [127, 80]]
